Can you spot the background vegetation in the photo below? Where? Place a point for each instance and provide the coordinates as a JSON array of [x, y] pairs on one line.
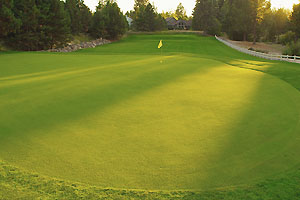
[[251, 20], [36, 24]]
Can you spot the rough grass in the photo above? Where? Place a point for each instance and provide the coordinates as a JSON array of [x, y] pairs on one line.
[[116, 117]]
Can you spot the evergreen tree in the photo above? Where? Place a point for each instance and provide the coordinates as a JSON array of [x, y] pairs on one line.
[[25, 38], [115, 22], [295, 19], [108, 21], [236, 18], [140, 3], [180, 12], [149, 18], [54, 23], [146, 18], [85, 17], [205, 17], [259, 8], [72, 7], [97, 28], [8, 22], [160, 23]]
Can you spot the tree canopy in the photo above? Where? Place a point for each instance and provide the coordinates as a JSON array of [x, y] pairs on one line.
[[145, 17]]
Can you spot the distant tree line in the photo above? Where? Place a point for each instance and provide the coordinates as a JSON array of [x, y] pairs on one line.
[[40, 24]]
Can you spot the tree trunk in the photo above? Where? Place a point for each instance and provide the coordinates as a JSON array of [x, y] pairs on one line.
[[254, 32]]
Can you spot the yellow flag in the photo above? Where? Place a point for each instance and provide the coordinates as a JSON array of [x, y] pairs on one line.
[[160, 44]]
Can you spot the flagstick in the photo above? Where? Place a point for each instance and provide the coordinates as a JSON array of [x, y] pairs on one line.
[[161, 55]]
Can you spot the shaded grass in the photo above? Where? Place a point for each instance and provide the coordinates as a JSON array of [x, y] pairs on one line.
[[17, 184], [128, 80]]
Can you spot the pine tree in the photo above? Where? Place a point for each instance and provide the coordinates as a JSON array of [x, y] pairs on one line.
[[8, 22], [57, 25], [140, 3], [149, 18], [180, 12], [205, 17], [236, 18], [97, 28], [108, 21], [85, 17], [295, 19], [115, 22], [73, 8], [258, 7], [25, 38]]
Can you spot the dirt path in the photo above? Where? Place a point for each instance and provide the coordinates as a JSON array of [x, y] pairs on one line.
[[266, 47]]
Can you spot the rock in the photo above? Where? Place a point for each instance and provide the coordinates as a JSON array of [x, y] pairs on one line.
[[74, 47]]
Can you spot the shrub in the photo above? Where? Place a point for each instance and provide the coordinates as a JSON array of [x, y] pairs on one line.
[[293, 49], [287, 38]]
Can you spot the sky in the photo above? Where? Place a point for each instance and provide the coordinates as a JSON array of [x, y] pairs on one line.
[[171, 5]]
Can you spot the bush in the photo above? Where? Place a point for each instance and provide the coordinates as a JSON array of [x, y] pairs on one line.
[[287, 38], [293, 49]]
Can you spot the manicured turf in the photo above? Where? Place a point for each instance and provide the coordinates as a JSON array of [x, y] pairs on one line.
[[199, 116]]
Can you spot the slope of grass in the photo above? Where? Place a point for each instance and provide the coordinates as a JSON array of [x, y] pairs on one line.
[[190, 118]]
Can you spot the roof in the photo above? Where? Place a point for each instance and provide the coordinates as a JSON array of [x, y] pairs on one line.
[[171, 21]]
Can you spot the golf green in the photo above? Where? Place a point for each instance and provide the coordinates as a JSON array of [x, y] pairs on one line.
[[127, 115]]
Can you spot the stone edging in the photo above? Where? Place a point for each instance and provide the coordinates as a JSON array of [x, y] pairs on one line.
[[82, 45]]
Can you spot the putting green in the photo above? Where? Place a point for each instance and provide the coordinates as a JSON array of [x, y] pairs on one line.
[[128, 121]]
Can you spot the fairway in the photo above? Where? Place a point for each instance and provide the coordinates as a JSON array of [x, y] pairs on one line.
[[196, 116]]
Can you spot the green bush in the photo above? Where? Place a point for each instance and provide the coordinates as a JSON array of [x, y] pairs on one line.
[[293, 49], [287, 38]]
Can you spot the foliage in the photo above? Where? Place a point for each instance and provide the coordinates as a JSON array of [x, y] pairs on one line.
[[140, 3], [8, 22], [97, 29], [37, 24], [115, 23], [258, 9], [295, 19], [169, 14], [80, 16], [27, 37], [293, 49], [145, 18], [43, 25], [108, 21], [236, 19], [274, 23], [287, 38], [241, 19], [54, 29], [180, 12], [205, 17]]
